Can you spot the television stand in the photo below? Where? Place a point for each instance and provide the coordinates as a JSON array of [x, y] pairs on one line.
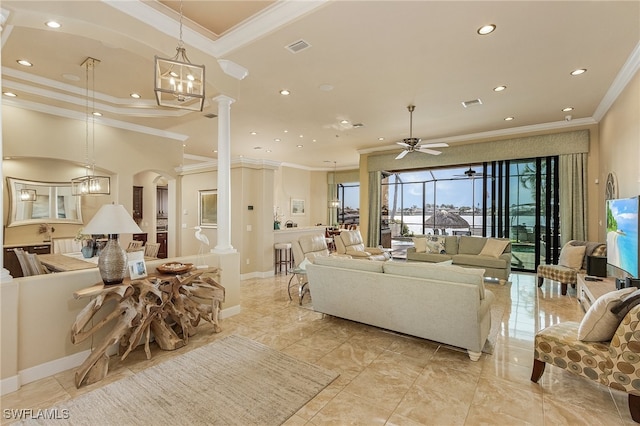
[[589, 291]]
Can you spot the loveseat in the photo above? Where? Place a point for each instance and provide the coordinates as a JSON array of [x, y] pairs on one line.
[[491, 254], [443, 303]]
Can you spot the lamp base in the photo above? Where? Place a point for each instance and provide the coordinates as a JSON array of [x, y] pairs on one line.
[[112, 263]]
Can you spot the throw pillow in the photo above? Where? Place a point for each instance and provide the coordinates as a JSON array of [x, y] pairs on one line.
[[493, 247], [599, 323], [435, 244], [420, 244], [623, 308], [571, 256]]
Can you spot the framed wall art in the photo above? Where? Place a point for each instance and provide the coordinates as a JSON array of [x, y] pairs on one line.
[[208, 208], [297, 207]]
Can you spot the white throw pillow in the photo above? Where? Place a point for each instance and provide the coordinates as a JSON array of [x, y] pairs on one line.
[[572, 256], [599, 323], [493, 247], [420, 243]]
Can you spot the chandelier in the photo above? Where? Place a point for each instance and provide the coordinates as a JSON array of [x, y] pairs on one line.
[[179, 83], [90, 184]]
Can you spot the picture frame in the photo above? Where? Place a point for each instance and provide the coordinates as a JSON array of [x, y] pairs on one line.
[[297, 207], [208, 208], [137, 269]]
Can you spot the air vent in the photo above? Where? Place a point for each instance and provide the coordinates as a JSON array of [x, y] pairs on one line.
[[297, 46], [211, 115], [471, 103]]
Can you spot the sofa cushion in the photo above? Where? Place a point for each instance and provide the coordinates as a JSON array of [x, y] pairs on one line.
[[427, 257], [346, 263], [420, 244], [571, 256], [599, 323], [494, 247], [470, 245], [479, 261], [438, 272]]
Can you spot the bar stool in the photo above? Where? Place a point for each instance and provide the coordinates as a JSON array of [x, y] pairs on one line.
[[283, 256]]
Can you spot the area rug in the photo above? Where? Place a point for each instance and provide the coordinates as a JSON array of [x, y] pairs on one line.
[[232, 381]]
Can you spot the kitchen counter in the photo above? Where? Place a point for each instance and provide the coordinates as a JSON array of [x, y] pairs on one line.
[[286, 235]]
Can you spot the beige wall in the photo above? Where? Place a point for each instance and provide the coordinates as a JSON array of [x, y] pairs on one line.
[[619, 148]]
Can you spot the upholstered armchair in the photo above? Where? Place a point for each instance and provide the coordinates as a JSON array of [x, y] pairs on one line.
[[308, 247], [573, 260], [614, 363], [350, 243]]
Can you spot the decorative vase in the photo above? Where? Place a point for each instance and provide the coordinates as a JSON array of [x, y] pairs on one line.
[[276, 225], [88, 248]]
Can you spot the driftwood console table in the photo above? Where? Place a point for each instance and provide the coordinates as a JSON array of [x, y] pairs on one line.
[[169, 306]]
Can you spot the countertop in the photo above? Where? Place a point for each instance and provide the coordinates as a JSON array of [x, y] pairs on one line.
[[300, 229]]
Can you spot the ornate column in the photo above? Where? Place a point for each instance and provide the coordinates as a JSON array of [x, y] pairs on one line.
[[224, 175]]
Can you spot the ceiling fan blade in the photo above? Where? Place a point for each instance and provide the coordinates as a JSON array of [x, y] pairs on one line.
[[403, 144], [429, 151], [435, 145], [401, 155]]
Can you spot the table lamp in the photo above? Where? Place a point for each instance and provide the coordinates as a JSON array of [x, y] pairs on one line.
[[112, 219]]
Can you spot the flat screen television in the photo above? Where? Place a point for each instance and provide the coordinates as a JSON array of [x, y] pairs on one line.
[[622, 236]]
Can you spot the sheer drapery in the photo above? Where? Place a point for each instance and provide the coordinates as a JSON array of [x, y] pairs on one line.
[[573, 197], [375, 189]]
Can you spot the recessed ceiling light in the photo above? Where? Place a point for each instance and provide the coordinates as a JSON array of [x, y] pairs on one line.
[[97, 114], [380, 139], [499, 88], [579, 71], [567, 109], [299, 146], [344, 121], [286, 131], [253, 133], [268, 150], [52, 24], [277, 140], [285, 92], [486, 29], [325, 87], [135, 95], [313, 140], [24, 63], [10, 94], [508, 118], [301, 136], [358, 125], [215, 151]]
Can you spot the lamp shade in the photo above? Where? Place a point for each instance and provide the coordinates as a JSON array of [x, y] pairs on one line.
[[112, 219]]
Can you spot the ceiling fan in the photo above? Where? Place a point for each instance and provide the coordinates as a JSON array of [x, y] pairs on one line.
[[412, 144], [470, 174]]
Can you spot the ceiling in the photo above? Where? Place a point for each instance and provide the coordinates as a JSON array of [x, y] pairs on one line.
[[367, 61]]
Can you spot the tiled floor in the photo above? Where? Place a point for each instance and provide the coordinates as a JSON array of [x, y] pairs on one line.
[[390, 379]]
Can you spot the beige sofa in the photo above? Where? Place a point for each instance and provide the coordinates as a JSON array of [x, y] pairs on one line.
[[465, 251], [443, 303]]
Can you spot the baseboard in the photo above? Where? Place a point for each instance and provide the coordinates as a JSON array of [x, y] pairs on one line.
[[229, 312], [10, 384]]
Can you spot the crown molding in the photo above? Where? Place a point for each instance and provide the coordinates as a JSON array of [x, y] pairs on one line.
[[75, 115], [626, 73]]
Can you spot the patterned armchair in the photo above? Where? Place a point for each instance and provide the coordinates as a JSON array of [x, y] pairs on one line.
[[615, 364], [567, 270]]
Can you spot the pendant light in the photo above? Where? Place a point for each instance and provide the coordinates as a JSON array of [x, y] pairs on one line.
[[179, 83], [335, 202], [90, 184]]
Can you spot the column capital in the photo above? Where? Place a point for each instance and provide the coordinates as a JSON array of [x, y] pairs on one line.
[[224, 99]]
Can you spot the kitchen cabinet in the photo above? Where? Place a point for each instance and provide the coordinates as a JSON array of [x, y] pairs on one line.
[[140, 237], [161, 238], [11, 260], [137, 203], [162, 202]]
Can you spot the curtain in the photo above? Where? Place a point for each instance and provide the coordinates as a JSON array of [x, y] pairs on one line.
[[573, 197], [375, 189]]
